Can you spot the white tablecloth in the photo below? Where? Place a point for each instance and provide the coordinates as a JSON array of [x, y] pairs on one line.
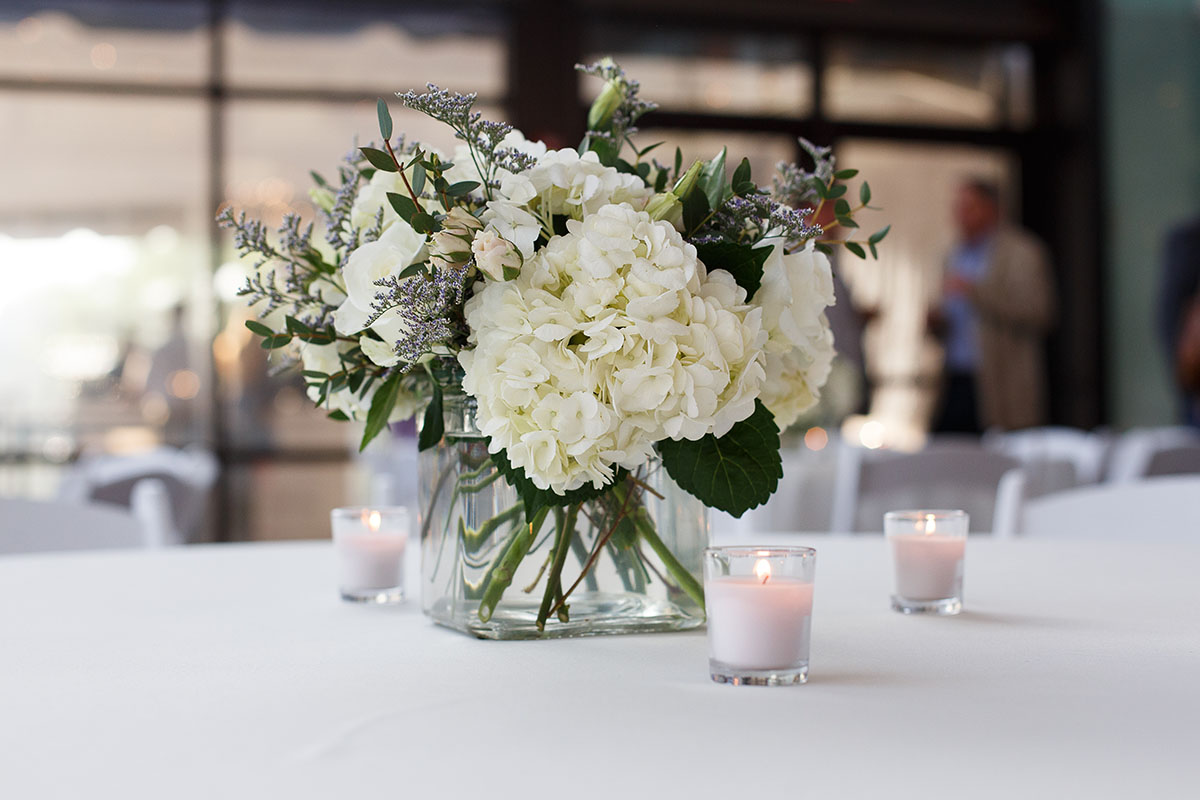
[[234, 671]]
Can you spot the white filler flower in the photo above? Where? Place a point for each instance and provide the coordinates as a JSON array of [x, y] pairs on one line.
[[612, 337]]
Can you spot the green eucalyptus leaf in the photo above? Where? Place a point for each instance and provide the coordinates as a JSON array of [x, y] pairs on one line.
[[878, 235], [296, 326], [403, 205], [385, 119], [874, 252], [846, 222], [734, 473], [678, 162], [379, 159], [842, 207], [257, 327], [339, 415], [462, 188], [845, 174], [835, 191], [864, 193], [856, 248], [424, 223], [276, 341], [418, 179]]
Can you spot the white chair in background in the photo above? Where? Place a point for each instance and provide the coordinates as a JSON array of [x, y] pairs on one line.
[[34, 526], [1143, 452], [871, 483], [1158, 509], [186, 478], [1084, 450]]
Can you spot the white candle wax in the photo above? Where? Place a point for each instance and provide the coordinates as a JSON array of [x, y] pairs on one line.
[[928, 566], [371, 560], [757, 625]]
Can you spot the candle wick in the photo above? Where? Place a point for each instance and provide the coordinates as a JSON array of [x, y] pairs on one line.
[[766, 578]]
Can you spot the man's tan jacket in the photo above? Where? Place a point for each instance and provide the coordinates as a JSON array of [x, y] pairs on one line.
[[1016, 307]]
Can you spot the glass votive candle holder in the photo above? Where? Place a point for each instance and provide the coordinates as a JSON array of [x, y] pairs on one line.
[[370, 544], [759, 602], [927, 557]]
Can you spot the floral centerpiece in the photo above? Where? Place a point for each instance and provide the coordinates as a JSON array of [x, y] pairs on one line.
[[598, 347]]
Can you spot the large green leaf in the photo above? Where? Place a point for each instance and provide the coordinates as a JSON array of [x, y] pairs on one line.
[[742, 261], [433, 424], [735, 473], [381, 408], [536, 499]]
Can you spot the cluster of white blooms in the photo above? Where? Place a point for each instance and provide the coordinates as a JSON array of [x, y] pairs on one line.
[[612, 337], [562, 183], [796, 289]]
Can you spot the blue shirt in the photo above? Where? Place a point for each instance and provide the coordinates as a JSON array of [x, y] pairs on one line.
[[969, 261]]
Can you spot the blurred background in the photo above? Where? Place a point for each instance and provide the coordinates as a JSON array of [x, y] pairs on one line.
[[126, 125]]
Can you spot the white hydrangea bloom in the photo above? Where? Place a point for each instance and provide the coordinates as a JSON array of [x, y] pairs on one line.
[[562, 183], [324, 358], [796, 289], [612, 338]]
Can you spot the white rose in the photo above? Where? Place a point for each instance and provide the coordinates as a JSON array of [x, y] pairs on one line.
[[397, 248], [495, 256]]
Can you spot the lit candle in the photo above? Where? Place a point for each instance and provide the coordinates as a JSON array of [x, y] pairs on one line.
[[928, 549], [759, 604], [370, 547]]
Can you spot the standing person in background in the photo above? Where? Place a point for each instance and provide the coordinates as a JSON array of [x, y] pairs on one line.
[[1179, 314], [997, 305]]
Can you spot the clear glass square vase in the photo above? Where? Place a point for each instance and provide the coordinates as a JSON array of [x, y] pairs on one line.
[[628, 561]]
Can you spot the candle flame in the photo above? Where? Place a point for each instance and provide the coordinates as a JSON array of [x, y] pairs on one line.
[[762, 570], [374, 519], [930, 523]]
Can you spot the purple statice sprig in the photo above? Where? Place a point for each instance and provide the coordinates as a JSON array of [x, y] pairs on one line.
[[748, 218], [430, 305], [482, 136]]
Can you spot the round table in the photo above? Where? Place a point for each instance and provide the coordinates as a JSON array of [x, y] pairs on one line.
[[234, 671]]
